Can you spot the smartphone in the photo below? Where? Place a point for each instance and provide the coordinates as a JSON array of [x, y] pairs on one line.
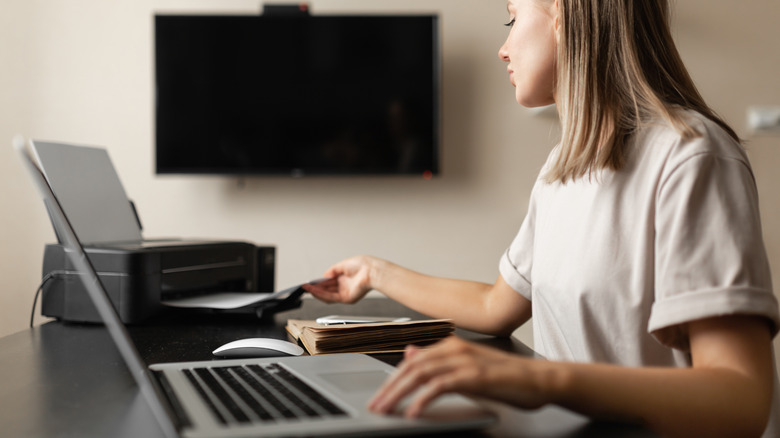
[[341, 319]]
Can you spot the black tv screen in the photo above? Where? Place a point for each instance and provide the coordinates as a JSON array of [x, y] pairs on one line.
[[297, 95]]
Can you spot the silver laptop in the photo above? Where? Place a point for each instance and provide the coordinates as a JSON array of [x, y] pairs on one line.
[[289, 396]]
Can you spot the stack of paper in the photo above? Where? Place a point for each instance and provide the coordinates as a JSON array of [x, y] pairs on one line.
[[384, 337]]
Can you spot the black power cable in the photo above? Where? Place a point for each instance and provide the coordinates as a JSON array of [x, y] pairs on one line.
[[45, 280]]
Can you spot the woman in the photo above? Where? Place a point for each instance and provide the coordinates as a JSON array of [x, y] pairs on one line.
[[641, 257]]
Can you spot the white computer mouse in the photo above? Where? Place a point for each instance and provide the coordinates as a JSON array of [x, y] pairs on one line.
[[258, 347]]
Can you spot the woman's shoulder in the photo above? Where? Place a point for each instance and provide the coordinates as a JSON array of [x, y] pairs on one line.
[[661, 139]]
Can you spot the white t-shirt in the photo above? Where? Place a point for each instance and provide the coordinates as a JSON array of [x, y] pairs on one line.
[[615, 263]]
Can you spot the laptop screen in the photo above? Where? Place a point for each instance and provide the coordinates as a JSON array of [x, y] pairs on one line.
[[98, 295]]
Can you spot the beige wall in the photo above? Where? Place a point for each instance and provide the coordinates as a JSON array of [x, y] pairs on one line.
[[81, 71]]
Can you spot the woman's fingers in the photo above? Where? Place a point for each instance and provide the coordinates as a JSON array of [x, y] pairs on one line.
[[342, 289], [325, 296], [327, 291], [455, 380], [436, 371], [400, 385], [347, 282], [381, 403]]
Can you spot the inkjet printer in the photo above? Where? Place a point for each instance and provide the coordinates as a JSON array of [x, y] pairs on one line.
[[138, 274]]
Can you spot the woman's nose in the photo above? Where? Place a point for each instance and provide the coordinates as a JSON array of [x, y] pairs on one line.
[[503, 54]]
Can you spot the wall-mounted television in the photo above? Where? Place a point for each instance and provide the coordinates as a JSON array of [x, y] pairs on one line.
[[297, 95]]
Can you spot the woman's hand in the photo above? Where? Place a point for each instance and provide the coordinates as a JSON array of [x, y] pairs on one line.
[[349, 281], [457, 366]]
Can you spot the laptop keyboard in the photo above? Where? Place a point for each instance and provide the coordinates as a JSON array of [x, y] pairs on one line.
[[259, 393]]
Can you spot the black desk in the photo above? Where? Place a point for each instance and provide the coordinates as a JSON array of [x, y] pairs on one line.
[[68, 380]]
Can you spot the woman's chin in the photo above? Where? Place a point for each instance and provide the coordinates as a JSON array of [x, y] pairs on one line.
[[535, 103]]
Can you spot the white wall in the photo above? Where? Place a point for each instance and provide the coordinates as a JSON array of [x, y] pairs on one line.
[[81, 71]]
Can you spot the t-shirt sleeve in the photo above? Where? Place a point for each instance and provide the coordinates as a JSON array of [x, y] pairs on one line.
[[709, 254], [516, 262]]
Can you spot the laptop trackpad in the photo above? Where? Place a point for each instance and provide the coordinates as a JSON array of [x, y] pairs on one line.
[[366, 381], [448, 407]]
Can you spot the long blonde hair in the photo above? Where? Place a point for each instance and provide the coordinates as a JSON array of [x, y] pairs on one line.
[[617, 67]]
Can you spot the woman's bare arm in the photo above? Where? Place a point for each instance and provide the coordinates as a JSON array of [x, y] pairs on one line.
[[486, 308], [727, 391]]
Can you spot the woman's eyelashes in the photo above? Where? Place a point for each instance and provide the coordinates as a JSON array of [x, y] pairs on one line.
[[511, 23]]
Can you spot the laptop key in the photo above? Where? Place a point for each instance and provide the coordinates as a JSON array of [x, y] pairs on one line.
[[310, 392], [221, 394], [285, 392], [278, 404], [252, 403], [204, 396]]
